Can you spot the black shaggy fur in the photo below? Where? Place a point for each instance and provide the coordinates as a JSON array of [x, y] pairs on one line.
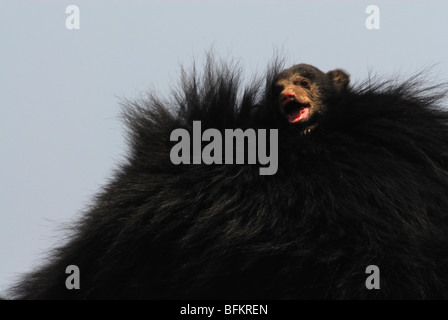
[[369, 186]]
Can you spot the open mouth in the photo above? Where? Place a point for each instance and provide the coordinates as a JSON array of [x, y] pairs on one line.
[[295, 111]]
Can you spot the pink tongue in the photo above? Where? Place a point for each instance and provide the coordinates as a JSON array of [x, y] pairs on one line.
[[298, 116]]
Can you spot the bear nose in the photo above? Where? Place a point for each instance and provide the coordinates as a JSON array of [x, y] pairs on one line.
[[287, 96]]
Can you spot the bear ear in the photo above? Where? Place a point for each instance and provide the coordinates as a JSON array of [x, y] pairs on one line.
[[339, 78]]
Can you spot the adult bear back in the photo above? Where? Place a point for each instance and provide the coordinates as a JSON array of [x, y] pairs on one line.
[[362, 180]]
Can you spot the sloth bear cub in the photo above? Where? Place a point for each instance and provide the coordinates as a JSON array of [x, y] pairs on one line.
[[362, 181]]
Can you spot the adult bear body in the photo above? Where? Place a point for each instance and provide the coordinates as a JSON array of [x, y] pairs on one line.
[[362, 180]]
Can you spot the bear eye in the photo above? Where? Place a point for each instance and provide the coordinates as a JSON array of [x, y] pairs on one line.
[[304, 83]]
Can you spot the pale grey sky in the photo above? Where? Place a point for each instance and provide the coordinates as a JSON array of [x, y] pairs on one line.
[[60, 133]]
